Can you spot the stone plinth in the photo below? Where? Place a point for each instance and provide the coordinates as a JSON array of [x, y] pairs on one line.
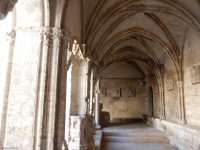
[[78, 133], [90, 130]]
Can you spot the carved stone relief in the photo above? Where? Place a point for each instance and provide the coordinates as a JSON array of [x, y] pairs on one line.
[[195, 74], [76, 50], [116, 92], [131, 92], [156, 89], [170, 83], [103, 91]]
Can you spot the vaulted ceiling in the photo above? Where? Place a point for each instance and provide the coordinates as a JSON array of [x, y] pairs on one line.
[[141, 33]]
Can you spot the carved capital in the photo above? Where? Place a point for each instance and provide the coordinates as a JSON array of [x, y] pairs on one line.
[[10, 37], [180, 84], [56, 36], [45, 35]]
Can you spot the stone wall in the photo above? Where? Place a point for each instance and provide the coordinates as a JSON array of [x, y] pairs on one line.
[[171, 95], [123, 106], [192, 91]]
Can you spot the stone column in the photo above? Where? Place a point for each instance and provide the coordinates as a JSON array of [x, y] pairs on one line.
[[97, 108], [182, 119], [6, 67], [78, 133], [45, 38], [90, 130], [55, 43], [91, 92], [162, 103]]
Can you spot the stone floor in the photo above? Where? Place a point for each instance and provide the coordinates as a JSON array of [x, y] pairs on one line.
[[134, 136]]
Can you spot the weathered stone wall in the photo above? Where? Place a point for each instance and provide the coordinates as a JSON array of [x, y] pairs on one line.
[[123, 107], [171, 96], [185, 137], [192, 91], [22, 92]]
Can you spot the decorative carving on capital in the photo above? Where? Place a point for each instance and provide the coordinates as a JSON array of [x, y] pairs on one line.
[[76, 50], [180, 84], [10, 37], [45, 35], [54, 37]]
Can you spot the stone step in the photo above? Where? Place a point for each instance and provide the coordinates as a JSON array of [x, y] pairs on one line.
[[135, 134], [122, 139]]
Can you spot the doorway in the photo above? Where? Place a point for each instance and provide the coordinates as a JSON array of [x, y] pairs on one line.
[[151, 111]]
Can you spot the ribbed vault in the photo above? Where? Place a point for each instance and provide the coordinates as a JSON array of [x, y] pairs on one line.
[[135, 31]]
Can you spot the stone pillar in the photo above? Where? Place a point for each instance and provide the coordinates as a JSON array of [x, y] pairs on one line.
[[6, 67], [91, 92], [45, 38], [182, 119], [162, 103], [78, 133], [97, 108], [90, 130], [55, 46]]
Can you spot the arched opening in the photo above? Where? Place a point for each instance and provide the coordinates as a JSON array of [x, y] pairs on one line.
[[151, 111]]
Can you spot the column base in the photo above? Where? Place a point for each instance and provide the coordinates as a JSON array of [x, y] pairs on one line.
[[98, 127], [182, 121], [73, 146]]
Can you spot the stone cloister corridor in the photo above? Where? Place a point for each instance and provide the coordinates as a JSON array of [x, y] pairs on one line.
[[69, 68]]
